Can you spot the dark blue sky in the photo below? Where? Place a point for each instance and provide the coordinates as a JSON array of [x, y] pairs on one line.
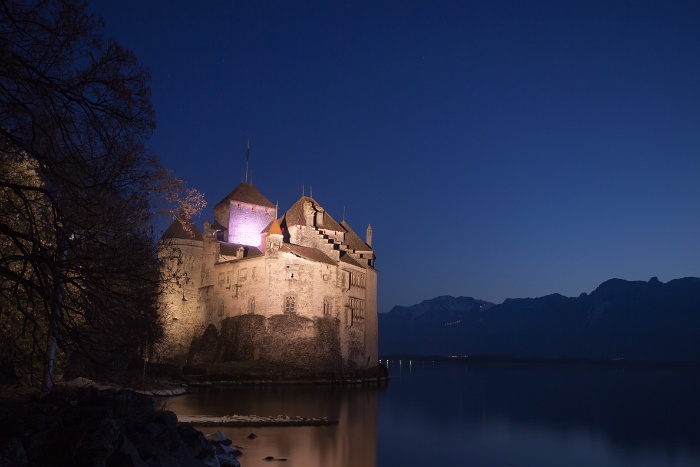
[[498, 148]]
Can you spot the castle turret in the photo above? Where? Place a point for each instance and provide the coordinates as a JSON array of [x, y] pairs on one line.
[[274, 236]]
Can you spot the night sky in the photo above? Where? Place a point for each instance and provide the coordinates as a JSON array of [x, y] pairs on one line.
[[498, 148]]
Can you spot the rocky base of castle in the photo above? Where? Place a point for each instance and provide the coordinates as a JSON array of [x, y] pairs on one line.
[[108, 427], [258, 372]]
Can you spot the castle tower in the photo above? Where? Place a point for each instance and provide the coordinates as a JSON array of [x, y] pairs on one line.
[[242, 215], [180, 254]]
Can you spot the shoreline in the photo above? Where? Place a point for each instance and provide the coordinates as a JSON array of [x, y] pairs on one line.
[[253, 420]]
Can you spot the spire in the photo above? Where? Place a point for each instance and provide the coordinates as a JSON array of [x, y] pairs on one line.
[[369, 235]]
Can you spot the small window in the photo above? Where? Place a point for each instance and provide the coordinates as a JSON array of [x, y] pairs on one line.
[[290, 304], [327, 306], [292, 273], [251, 305]]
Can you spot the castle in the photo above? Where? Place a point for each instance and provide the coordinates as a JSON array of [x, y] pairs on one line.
[[298, 290]]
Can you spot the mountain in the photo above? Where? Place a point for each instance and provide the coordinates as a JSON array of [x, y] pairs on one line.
[[632, 320]]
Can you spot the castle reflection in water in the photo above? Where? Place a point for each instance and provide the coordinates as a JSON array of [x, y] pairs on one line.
[[352, 442]]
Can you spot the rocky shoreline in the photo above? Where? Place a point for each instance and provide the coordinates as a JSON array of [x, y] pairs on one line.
[[254, 420], [103, 427], [86, 423]]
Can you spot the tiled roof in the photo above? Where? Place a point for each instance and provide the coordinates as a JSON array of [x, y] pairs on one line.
[[183, 228], [346, 258], [229, 249], [353, 240], [311, 254], [247, 193]]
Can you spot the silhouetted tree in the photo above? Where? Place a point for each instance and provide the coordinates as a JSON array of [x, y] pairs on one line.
[[78, 266]]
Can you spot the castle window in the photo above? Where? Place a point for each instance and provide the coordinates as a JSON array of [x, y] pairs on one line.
[[251, 305], [327, 306], [357, 307], [357, 279], [222, 308], [290, 304]]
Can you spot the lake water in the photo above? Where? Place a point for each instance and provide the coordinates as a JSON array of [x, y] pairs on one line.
[[458, 414]]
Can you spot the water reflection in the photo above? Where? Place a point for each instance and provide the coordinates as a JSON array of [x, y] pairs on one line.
[[455, 414], [540, 415], [350, 443]]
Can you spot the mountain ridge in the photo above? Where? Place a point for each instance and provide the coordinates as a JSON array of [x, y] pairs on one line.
[[620, 319]]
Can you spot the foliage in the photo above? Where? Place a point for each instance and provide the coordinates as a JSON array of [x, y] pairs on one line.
[[78, 189]]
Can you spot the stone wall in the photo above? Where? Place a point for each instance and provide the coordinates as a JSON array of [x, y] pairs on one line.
[[242, 337], [287, 339]]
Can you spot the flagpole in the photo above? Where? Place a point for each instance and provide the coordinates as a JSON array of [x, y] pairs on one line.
[[247, 158]]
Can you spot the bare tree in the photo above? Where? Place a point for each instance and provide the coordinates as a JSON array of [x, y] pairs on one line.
[[78, 266]]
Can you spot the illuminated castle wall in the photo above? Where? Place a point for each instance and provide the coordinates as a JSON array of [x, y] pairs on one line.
[[300, 289]]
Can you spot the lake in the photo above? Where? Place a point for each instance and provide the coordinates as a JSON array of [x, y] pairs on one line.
[[474, 414]]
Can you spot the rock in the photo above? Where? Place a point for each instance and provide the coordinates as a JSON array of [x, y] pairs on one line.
[[252, 436], [194, 439], [219, 437], [109, 428], [99, 442], [12, 454], [126, 455], [164, 460], [222, 449], [227, 461]]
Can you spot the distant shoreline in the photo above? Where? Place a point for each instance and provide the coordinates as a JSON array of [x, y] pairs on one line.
[[541, 360]]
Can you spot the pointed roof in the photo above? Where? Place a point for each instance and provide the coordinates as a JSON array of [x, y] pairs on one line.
[[295, 215], [247, 193], [183, 228], [275, 228]]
